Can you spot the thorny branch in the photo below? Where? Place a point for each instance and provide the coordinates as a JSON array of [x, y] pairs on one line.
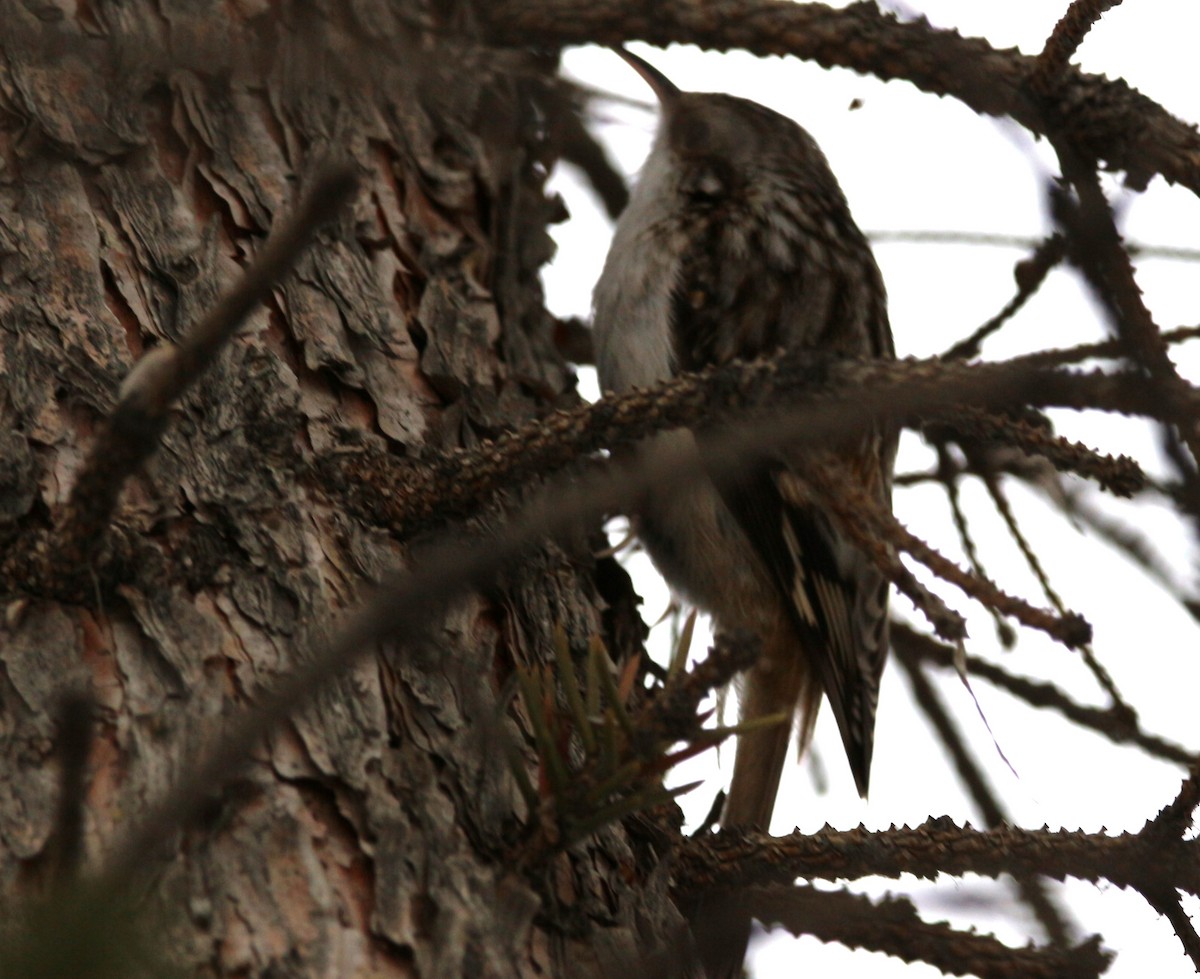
[[407, 496], [1095, 246], [1157, 861], [1154, 862], [892, 925], [1146, 861], [853, 506], [1120, 475]]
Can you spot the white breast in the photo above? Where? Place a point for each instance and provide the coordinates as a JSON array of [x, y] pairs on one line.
[[632, 300]]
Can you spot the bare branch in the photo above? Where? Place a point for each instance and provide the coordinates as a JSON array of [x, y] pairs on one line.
[[853, 506], [1030, 273], [1094, 245], [407, 496], [1120, 475]]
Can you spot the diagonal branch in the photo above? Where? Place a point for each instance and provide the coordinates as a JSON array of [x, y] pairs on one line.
[[1032, 888], [1120, 726], [408, 496]]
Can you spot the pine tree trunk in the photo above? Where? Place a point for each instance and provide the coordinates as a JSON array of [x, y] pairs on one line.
[[148, 148]]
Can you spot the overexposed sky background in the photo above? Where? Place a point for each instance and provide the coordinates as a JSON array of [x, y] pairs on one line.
[[909, 161]]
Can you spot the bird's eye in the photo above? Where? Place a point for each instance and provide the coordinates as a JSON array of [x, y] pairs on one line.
[[705, 181]]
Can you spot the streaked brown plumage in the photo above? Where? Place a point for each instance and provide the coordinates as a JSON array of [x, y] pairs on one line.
[[737, 242]]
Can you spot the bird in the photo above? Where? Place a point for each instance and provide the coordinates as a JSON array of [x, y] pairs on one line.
[[737, 242]]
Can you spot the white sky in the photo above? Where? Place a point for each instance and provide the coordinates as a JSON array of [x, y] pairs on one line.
[[910, 161]]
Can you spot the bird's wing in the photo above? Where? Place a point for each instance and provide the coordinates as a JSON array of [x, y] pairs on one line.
[[833, 593]]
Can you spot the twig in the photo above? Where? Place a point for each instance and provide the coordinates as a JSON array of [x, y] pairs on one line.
[[947, 475], [1128, 540], [1030, 273], [1119, 475], [1166, 902], [989, 239], [1064, 41], [1098, 670], [1105, 349], [851, 504]]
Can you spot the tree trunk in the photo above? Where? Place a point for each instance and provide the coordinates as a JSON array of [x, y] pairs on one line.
[[147, 150]]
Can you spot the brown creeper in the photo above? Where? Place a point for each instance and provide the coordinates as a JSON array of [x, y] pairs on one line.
[[737, 242]]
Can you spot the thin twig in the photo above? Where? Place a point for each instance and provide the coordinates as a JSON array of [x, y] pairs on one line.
[[1064, 41], [1105, 349], [1128, 540], [987, 239], [947, 475], [1033, 891], [1120, 726], [1030, 273], [1097, 669]]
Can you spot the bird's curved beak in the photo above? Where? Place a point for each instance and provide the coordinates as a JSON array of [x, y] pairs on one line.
[[664, 89]]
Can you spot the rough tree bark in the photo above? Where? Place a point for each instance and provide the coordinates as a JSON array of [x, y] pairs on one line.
[[147, 148]]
